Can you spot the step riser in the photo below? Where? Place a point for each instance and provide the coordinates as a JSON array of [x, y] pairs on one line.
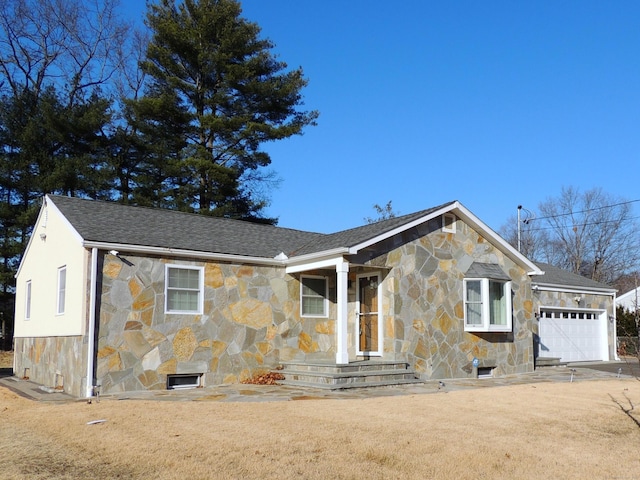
[[348, 380], [348, 376], [338, 369]]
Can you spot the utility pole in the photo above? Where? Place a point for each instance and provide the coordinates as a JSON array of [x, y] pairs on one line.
[[519, 208]]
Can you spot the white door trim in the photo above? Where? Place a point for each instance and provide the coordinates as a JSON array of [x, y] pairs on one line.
[[380, 349]]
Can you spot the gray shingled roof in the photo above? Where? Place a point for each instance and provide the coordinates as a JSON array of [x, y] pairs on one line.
[[557, 276], [109, 222], [358, 235]]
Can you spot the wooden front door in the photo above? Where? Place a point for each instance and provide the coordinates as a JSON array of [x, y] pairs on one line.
[[368, 314]]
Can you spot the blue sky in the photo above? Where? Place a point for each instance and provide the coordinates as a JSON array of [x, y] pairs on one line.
[[494, 103]]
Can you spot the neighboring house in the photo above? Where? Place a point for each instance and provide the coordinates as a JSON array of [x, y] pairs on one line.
[[630, 301], [135, 298]]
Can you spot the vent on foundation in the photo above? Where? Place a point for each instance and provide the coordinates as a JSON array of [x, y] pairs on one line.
[[175, 382]]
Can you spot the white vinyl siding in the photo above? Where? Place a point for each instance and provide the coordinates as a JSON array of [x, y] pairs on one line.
[[313, 296], [184, 289]]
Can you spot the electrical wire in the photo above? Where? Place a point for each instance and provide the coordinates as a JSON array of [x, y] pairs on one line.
[[585, 211]]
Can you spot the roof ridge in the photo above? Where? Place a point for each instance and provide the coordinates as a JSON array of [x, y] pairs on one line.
[[171, 211]]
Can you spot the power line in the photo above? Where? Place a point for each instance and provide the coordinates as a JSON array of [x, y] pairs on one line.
[[584, 211], [586, 224]]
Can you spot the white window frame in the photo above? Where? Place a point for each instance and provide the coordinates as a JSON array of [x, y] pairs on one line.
[[61, 291], [27, 300], [449, 223], [200, 289], [486, 325], [325, 297]]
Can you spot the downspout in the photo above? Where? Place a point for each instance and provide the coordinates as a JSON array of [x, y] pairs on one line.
[[92, 322]]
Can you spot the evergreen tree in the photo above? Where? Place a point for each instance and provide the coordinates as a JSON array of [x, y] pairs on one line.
[[236, 96]]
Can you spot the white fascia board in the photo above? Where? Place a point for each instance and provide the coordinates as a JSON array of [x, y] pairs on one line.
[[402, 228], [478, 225], [313, 265], [568, 289], [164, 251]]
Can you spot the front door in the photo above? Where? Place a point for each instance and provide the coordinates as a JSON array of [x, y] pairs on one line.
[[368, 315]]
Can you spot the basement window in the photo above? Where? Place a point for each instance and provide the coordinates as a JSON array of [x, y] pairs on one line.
[[177, 382], [485, 372]]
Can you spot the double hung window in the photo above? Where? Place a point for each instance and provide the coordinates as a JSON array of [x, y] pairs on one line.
[[184, 288], [313, 296]]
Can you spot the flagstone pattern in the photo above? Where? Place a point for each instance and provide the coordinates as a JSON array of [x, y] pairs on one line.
[[424, 307], [252, 321]]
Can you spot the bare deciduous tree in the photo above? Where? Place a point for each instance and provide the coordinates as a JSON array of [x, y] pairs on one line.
[[383, 213], [590, 233], [73, 45]]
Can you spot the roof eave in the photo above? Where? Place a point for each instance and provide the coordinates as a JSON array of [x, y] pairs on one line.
[[572, 288], [176, 252]]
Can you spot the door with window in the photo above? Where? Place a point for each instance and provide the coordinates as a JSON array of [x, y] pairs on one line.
[[369, 337]]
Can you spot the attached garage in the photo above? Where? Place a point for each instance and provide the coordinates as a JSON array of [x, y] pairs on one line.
[[573, 335], [576, 317]]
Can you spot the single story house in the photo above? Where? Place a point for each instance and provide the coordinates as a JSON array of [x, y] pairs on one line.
[[133, 298]]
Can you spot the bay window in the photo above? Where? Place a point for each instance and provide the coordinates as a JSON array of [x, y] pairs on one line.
[[487, 305]]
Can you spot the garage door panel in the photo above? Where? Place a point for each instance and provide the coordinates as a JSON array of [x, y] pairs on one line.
[[570, 339]]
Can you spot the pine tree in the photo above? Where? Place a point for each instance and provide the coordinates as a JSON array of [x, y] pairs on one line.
[[237, 96]]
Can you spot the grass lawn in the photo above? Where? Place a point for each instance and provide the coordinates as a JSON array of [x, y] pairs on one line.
[[587, 429], [6, 359]]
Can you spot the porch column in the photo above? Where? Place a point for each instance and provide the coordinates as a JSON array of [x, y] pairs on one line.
[[342, 353]]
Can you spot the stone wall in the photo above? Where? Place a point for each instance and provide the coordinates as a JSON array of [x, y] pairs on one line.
[[55, 362], [251, 322], [424, 307]]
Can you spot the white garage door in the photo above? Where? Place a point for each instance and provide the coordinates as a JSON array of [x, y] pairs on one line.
[[572, 336]]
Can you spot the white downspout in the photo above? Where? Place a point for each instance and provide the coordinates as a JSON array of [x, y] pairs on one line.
[[92, 321]]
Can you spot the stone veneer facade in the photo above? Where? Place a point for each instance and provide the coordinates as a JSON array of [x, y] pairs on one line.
[[252, 322], [423, 303], [55, 362]]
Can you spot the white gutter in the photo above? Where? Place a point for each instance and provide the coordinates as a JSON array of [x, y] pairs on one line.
[[575, 289], [225, 257], [92, 321]]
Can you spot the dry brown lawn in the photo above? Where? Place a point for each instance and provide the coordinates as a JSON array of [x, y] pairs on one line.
[[6, 359], [559, 431]]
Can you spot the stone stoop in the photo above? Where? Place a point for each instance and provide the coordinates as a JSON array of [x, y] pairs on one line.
[[549, 362], [361, 374]]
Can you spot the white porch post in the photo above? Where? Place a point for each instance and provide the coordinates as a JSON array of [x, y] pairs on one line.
[[342, 353]]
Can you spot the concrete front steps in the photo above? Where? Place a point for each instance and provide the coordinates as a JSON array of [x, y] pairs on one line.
[[359, 374]]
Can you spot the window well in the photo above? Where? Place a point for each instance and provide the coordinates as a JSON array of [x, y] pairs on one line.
[[175, 382]]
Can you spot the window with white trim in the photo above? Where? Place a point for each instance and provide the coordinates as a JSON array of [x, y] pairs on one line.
[[27, 301], [62, 290], [487, 305], [313, 296], [184, 289]]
